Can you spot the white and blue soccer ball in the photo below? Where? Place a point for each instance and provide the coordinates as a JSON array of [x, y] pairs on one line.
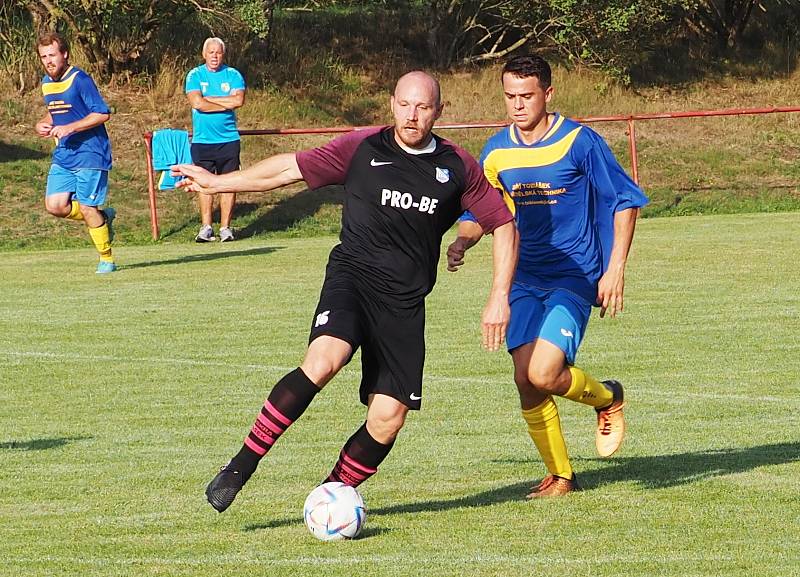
[[334, 511]]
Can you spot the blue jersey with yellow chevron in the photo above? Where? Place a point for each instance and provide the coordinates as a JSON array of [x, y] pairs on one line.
[[564, 190], [73, 97]]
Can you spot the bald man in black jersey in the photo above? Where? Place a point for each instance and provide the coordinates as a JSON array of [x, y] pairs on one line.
[[404, 188]]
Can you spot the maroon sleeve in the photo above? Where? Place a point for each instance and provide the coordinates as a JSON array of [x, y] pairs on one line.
[[483, 200], [328, 164]]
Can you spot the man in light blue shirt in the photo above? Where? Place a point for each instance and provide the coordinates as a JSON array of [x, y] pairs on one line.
[[215, 91]]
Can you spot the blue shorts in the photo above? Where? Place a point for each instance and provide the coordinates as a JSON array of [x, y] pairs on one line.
[[555, 315], [89, 185]]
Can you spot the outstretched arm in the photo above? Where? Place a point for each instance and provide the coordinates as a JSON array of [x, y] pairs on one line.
[[469, 233], [496, 313], [268, 174], [611, 288]]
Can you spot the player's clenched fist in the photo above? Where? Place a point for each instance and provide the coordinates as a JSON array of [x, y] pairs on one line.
[[43, 128]]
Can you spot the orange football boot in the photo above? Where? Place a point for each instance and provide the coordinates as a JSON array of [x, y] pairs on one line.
[[610, 422], [554, 486]]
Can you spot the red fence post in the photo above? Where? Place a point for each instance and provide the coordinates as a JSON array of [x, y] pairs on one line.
[[151, 184], [634, 159]]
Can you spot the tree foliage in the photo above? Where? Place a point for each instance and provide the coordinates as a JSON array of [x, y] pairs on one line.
[[128, 37], [597, 32], [607, 33], [115, 35], [724, 22]]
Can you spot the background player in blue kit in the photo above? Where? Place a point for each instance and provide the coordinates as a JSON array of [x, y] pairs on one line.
[[575, 209], [404, 188], [77, 184], [215, 91]]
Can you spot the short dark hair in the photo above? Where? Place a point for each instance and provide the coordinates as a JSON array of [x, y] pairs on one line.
[[47, 38], [527, 66]]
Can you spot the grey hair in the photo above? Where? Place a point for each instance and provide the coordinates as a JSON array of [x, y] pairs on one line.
[[213, 40]]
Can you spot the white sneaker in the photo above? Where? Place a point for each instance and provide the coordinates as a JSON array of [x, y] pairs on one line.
[[206, 234], [225, 234]]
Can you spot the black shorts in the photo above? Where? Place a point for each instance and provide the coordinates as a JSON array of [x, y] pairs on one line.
[[217, 158], [392, 341]]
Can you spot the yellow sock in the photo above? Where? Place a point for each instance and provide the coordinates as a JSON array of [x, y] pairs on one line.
[[101, 242], [584, 389], [75, 211], [544, 427]]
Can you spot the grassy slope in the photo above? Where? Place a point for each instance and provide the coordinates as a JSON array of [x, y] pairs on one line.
[[112, 428], [696, 166]]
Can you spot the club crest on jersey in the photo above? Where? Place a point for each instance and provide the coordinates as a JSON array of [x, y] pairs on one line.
[[225, 87], [442, 174]]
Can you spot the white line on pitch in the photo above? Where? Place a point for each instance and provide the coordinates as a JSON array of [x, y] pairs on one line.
[[428, 377], [444, 561]]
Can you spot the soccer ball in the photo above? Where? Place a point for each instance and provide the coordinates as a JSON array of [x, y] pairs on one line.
[[334, 511]]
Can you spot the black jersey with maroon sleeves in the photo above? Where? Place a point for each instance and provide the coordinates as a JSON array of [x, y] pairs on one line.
[[398, 206]]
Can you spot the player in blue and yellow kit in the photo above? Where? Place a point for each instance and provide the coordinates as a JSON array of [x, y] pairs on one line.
[[575, 209], [77, 183]]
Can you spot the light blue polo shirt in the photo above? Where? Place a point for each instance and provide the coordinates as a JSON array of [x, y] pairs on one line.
[[214, 127]]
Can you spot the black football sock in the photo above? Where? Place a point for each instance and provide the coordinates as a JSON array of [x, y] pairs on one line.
[[289, 398], [359, 458]]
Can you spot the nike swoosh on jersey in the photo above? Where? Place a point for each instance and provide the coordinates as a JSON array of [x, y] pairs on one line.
[[374, 162]]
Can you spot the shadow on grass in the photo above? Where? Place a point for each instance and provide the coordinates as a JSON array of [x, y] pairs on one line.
[[39, 444], [513, 492], [372, 531], [662, 471], [11, 152], [279, 215], [653, 472], [290, 211], [203, 257]]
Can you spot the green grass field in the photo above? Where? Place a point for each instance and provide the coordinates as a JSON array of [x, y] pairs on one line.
[[121, 395]]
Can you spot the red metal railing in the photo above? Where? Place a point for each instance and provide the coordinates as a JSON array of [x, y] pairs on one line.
[[629, 118]]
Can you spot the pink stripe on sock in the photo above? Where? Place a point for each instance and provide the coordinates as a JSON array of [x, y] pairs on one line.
[[348, 471], [264, 435], [266, 423], [353, 463], [257, 449], [276, 413]]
